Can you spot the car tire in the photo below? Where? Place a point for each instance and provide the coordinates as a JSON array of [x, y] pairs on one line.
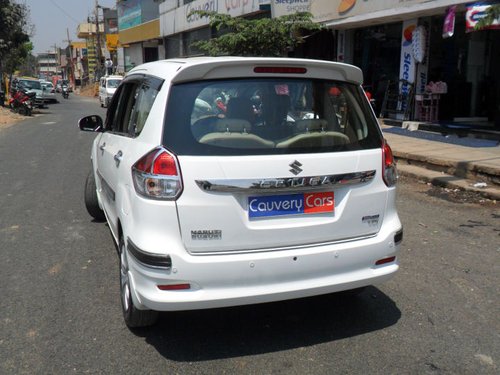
[[134, 318], [91, 201]]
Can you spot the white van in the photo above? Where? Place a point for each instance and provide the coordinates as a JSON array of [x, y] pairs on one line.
[[107, 87]]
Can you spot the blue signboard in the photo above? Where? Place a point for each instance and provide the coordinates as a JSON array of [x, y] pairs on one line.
[[129, 14]]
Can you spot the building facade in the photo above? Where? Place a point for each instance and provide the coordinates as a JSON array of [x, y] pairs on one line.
[[48, 64], [110, 18], [94, 50], [399, 44], [139, 38], [179, 27], [423, 42]]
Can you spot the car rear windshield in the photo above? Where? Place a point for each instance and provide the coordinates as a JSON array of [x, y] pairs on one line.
[[31, 85], [113, 83], [268, 116]]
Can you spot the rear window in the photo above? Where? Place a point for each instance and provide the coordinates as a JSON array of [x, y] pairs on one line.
[[266, 116], [113, 83], [31, 85]]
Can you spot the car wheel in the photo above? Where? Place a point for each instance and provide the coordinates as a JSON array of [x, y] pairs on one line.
[[134, 318], [91, 201]]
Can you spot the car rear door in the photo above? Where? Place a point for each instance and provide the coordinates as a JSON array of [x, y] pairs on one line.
[[263, 205], [310, 174]]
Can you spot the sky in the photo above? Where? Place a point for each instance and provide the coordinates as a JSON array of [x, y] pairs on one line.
[[51, 18]]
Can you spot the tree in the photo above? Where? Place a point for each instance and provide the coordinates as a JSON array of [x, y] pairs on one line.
[[492, 14], [255, 37], [13, 34], [20, 59]]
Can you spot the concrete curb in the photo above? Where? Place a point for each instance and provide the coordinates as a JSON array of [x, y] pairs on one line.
[[449, 181], [464, 168], [448, 165]]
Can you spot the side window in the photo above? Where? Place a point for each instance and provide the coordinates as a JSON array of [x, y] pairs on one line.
[[131, 104], [145, 96], [119, 112]]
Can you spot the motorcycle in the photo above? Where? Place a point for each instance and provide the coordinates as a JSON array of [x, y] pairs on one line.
[[21, 101], [65, 92]]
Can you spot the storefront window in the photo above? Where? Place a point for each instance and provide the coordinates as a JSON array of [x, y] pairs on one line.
[[376, 52], [189, 37], [468, 63]]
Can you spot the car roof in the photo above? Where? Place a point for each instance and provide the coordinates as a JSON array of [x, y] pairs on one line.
[[200, 68]]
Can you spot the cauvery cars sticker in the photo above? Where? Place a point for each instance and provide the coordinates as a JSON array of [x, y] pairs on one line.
[[291, 204]]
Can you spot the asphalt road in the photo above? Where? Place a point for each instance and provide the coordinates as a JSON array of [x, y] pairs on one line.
[[59, 297]]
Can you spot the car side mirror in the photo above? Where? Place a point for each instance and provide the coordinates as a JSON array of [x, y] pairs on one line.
[[91, 123]]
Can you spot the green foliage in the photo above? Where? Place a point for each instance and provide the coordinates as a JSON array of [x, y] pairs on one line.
[[492, 14], [255, 37], [17, 58], [14, 40]]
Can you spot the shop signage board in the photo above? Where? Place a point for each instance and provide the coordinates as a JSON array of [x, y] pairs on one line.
[[407, 67], [173, 21], [326, 10], [129, 15], [474, 13]]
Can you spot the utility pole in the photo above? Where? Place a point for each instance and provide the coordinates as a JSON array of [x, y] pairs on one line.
[[72, 68], [58, 61], [98, 41]]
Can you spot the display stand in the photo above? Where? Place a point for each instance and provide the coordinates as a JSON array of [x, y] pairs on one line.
[[428, 107]]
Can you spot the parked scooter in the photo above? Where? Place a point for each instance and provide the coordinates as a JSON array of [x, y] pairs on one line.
[[21, 101], [65, 91]]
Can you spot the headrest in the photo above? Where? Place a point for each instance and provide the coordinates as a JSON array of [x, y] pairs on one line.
[[233, 125], [240, 108], [310, 125]]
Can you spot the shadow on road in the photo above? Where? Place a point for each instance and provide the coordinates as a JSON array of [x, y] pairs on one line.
[[248, 330]]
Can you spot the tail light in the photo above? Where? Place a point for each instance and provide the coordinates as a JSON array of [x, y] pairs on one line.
[[385, 261], [389, 171], [157, 175], [280, 69]]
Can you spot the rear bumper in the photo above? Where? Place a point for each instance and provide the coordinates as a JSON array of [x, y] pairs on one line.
[[240, 279], [40, 102]]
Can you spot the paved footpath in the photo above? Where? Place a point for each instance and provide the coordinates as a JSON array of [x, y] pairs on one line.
[[447, 164]]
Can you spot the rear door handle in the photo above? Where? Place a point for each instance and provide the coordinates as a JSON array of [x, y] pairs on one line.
[[118, 158], [103, 146]]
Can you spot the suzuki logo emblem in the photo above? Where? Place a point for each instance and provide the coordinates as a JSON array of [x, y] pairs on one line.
[[296, 167]]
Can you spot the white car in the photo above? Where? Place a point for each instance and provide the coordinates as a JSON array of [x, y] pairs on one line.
[[49, 92], [229, 181], [107, 87]]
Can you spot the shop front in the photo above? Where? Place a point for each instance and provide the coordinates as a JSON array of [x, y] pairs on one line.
[[139, 33], [179, 27], [468, 61], [431, 74]]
